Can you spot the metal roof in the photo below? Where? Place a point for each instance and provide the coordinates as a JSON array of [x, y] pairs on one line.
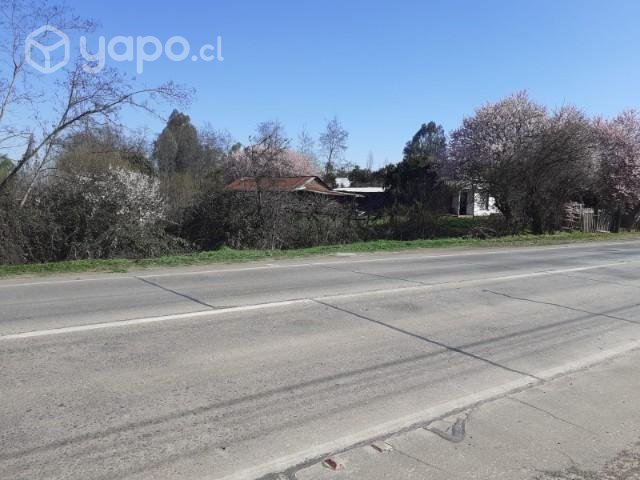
[[362, 189], [285, 184]]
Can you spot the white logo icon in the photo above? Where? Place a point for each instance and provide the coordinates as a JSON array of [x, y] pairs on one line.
[[32, 44], [42, 50]]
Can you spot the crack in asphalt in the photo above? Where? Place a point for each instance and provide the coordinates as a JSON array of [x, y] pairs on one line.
[[429, 340], [566, 307], [174, 292]]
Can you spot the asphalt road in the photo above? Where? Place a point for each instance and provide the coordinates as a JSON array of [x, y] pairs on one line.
[[240, 371]]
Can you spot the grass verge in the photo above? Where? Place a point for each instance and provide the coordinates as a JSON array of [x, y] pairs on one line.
[[228, 255]]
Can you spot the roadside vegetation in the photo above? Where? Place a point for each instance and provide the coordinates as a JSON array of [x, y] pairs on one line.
[[230, 255], [94, 195]]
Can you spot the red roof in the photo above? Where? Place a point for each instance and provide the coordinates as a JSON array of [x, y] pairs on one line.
[[284, 184]]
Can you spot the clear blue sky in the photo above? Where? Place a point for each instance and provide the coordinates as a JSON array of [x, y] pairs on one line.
[[386, 67]]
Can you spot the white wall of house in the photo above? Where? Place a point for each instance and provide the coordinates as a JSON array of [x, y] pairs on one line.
[[343, 182], [467, 202], [483, 206]]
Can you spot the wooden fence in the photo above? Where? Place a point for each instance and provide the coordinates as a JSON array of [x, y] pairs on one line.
[[578, 217]]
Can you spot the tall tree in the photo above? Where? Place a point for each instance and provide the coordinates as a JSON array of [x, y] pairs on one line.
[[178, 147], [415, 179], [427, 147]]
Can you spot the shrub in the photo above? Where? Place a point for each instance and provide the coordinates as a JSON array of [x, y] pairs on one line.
[[104, 215], [269, 221]]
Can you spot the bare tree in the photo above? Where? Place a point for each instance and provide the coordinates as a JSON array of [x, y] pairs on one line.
[[306, 144], [370, 162], [269, 154], [333, 143], [78, 97], [219, 141], [18, 18]]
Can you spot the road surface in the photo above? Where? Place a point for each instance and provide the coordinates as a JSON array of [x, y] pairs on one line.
[[248, 370]]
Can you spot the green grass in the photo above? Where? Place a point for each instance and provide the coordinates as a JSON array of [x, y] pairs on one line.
[[228, 255]]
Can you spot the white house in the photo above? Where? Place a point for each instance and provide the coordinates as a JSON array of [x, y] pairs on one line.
[[342, 182], [470, 201]]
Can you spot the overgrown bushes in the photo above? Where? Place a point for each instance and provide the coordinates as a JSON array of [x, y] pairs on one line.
[[116, 213], [415, 222], [267, 220]]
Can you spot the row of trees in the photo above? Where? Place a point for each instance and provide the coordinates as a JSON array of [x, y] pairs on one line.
[[105, 192], [181, 147], [533, 161], [190, 161], [207, 216], [85, 186]]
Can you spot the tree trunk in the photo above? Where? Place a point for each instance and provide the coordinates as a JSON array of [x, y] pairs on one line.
[[617, 220]]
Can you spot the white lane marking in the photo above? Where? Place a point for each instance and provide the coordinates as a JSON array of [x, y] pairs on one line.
[[142, 321], [390, 257], [285, 303], [423, 417]]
